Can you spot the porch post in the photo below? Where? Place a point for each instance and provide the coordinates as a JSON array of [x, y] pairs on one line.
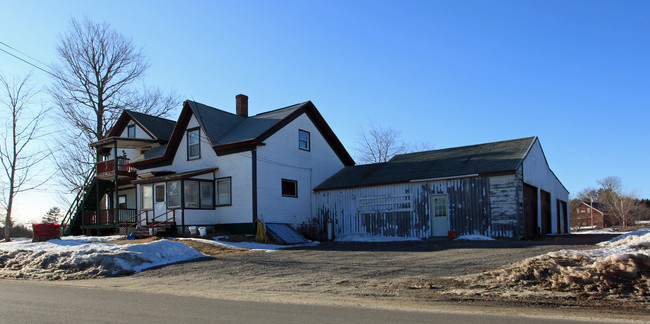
[[116, 200]]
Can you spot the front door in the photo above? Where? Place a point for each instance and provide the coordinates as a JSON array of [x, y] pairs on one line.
[[439, 215], [159, 202]]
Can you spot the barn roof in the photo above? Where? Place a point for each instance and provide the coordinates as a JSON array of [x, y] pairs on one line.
[[489, 158]]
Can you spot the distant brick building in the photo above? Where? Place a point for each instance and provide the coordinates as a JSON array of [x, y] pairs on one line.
[[590, 214]]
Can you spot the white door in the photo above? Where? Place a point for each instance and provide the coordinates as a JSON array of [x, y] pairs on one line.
[[159, 202], [439, 215]]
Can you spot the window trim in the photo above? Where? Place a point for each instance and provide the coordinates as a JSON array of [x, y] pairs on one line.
[[295, 182], [128, 131], [187, 140], [216, 191], [300, 140]]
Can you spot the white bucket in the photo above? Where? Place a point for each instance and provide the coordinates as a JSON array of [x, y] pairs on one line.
[[202, 231], [192, 230]]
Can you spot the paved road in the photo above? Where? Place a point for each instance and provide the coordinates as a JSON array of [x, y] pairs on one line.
[[34, 302]]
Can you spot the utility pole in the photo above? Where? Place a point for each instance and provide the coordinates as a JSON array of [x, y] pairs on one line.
[[591, 211]]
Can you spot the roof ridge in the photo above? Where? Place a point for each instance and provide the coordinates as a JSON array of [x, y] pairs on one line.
[[278, 109], [130, 112], [467, 146]]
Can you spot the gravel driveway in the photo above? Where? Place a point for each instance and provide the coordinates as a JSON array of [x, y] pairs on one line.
[[338, 271]]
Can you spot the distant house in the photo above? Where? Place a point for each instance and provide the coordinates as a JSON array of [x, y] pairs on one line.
[[589, 214], [501, 189], [209, 168]]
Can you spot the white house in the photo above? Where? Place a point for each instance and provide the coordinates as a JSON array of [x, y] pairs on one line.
[[211, 168]]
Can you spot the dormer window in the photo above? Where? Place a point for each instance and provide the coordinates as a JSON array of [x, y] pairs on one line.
[[193, 144], [303, 140], [130, 131]]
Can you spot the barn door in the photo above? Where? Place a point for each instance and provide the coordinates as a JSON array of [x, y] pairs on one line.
[[545, 199], [530, 211], [439, 215]]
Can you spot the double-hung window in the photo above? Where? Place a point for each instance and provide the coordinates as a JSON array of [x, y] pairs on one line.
[[193, 144], [130, 131], [303, 140], [224, 188]]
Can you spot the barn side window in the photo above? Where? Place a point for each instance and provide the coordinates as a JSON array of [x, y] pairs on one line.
[[289, 188]]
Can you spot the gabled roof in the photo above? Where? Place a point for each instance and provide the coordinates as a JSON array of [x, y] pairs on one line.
[[160, 128], [157, 127], [489, 158], [230, 133], [600, 207]]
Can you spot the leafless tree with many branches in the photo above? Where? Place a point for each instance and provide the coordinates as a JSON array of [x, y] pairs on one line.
[[18, 156], [97, 78]]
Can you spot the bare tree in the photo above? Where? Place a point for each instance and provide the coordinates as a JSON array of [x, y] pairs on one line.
[[18, 158], [95, 81], [620, 204], [379, 144]]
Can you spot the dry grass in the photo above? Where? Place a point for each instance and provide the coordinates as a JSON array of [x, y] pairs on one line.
[[212, 250]]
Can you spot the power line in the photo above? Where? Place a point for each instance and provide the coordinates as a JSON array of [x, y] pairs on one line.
[[23, 53], [34, 65]]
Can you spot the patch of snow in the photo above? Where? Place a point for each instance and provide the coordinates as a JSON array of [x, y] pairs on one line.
[[365, 237], [475, 238], [254, 246], [80, 257], [598, 231]]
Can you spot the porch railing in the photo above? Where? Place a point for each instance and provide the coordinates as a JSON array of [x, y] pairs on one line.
[[107, 217], [108, 167], [147, 219]]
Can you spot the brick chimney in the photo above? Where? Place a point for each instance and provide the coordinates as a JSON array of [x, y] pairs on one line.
[[242, 105]]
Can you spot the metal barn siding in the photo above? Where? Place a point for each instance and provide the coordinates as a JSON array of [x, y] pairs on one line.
[[403, 209]]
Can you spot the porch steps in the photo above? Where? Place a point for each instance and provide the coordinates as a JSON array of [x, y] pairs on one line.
[[160, 229], [284, 234]]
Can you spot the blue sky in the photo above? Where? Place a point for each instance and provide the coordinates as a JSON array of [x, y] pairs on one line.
[[447, 73]]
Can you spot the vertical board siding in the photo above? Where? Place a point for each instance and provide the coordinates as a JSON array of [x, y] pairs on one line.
[[476, 206]]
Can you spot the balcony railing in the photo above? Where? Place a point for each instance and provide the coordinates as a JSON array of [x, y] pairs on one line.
[[108, 167], [107, 217]]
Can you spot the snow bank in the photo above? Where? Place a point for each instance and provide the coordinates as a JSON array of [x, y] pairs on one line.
[[254, 246], [364, 237], [620, 267], [81, 257]]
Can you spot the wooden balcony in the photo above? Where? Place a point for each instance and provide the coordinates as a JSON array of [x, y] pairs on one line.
[[106, 169]]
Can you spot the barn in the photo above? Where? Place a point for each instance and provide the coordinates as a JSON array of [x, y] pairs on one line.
[[500, 189]]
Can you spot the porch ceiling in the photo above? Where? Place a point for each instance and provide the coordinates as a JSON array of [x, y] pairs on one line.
[[122, 142], [175, 176]]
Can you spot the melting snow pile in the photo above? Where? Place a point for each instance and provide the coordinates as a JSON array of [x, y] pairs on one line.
[[79, 257], [620, 268]]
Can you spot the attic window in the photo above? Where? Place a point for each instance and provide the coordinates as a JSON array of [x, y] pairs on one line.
[[303, 140], [130, 131], [193, 144]]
